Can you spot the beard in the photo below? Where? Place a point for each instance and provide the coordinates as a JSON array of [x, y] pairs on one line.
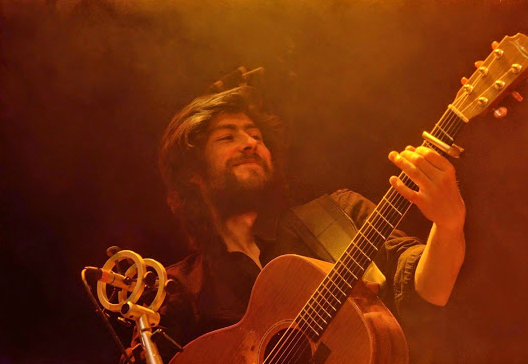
[[240, 188]]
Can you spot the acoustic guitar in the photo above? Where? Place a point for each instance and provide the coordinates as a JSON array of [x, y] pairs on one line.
[[303, 310]]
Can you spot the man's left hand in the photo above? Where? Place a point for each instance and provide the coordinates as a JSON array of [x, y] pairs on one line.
[[438, 196]]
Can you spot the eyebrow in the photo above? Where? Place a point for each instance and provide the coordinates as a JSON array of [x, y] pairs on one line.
[[232, 127]]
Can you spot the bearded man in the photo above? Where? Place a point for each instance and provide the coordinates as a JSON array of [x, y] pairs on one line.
[[221, 159]]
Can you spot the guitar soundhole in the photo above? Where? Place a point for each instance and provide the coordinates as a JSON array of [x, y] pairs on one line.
[[288, 346]]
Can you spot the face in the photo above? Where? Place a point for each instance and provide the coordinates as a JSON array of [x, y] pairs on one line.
[[236, 158]]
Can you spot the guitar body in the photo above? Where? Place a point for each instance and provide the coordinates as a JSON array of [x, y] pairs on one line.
[[363, 331]]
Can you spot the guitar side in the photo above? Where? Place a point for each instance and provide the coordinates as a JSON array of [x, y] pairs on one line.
[[363, 331]]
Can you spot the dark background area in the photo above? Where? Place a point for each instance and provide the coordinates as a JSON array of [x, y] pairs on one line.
[[88, 87]]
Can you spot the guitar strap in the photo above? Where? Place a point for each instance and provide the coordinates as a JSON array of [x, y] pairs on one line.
[[327, 230]]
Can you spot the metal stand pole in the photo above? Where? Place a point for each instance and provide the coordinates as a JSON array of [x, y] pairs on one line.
[[145, 333]]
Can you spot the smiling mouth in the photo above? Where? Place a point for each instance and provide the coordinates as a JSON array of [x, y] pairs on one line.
[[247, 161]]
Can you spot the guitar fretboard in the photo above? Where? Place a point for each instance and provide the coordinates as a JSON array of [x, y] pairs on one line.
[[321, 308]]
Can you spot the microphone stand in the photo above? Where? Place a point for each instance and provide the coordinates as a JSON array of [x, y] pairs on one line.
[[131, 283], [145, 319], [145, 333], [101, 314]]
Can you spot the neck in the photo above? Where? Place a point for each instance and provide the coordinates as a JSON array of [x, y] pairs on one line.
[[237, 232]]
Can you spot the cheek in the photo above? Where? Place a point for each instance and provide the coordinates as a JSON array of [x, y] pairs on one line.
[[266, 155], [217, 158]]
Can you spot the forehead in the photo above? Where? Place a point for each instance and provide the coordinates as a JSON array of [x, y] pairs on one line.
[[230, 121]]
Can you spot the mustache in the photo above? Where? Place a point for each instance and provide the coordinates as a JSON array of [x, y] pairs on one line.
[[246, 158]]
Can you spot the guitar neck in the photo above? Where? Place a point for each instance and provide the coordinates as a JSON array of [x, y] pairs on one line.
[[333, 291]]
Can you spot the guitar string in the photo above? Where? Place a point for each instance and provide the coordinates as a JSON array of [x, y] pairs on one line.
[[382, 207], [377, 216], [447, 127], [299, 335], [307, 311]]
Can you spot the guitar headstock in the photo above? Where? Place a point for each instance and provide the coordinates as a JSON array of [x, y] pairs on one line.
[[495, 77]]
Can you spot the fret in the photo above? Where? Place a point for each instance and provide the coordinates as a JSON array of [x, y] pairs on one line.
[[312, 320], [443, 131], [441, 135], [309, 326], [376, 230], [347, 252], [434, 147], [315, 311], [344, 280], [409, 183], [339, 288], [320, 327], [387, 212], [349, 271], [383, 217], [364, 237], [332, 293], [395, 208], [320, 294], [362, 252], [314, 300], [321, 317], [452, 120]]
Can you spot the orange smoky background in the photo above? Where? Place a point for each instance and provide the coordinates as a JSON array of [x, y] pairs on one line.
[[87, 88]]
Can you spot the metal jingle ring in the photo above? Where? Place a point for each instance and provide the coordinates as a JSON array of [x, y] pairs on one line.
[[138, 288]]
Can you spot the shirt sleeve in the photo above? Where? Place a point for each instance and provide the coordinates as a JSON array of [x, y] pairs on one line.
[[397, 260]]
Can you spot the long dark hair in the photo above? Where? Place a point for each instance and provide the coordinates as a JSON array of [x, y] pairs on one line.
[[181, 148]]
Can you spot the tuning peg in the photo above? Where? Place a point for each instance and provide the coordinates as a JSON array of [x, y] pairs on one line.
[[478, 64], [500, 112], [464, 80], [517, 96], [494, 45]]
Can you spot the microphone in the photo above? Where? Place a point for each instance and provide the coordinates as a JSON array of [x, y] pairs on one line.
[[110, 277]]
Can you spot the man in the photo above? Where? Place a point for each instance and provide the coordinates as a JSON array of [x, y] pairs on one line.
[[221, 160]]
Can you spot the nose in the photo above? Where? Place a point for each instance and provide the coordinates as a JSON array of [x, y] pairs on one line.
[[248, 142]]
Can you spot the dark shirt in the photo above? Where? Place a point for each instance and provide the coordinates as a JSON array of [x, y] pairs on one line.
[[215, 285]]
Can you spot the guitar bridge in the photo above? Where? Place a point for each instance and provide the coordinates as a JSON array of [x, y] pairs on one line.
[[321, 354]]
